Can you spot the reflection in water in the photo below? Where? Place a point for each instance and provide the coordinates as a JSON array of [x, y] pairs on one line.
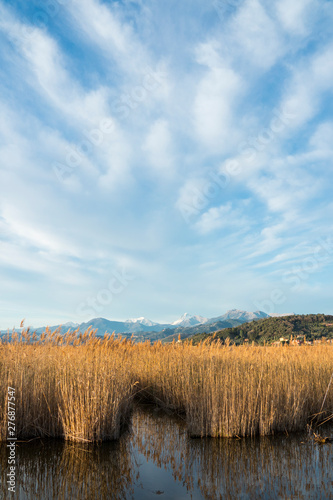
[[59, 470], [280, 467], [158, 459]]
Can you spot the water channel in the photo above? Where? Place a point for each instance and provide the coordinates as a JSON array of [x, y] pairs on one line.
[[155, 458]]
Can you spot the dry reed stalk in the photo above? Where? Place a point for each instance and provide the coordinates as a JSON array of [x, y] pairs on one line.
[[81, 387], [79, 393], [237, 391]]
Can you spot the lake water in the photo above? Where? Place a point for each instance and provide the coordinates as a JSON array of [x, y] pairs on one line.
[[156, 459]]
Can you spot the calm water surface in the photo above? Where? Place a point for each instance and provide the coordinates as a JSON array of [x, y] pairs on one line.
[[156, 459]]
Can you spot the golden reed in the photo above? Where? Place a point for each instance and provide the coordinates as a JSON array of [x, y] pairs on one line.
[[82, 388]]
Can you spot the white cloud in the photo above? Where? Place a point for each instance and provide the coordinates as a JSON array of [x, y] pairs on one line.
[[271, 238], [296, 15], [256, 36], [285, 187], [193, 197], [158, 148], [322, 139], [114, 37], [215, 218], [34, 232], [310, 80], [214, 103], [321, 68], [224, 216], [45, 67], [84, 111], [211, 90]]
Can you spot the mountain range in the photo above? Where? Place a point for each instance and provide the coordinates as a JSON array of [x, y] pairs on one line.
[[142, 328]]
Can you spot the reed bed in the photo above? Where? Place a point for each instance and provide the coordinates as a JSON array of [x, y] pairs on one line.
[[82, 388], [73, 386]]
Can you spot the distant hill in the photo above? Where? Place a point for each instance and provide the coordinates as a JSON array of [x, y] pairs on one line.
[[122, 327], [145, 329], [312, 326], [170, 335], [232, 324], [102, 325]]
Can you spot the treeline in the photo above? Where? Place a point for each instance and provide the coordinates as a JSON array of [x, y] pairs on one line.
[[268, 330]]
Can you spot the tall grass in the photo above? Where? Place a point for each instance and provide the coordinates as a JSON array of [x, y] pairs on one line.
[[76, 387], [239, 391], [82, 388]]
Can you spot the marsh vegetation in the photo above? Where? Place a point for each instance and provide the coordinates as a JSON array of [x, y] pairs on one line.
[[82, 388]]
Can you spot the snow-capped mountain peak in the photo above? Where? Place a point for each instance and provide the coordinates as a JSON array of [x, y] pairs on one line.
[[188, 320], [142, 320], [245, 315], [240, 315]]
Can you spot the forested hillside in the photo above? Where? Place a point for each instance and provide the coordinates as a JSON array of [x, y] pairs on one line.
[[312, 326]]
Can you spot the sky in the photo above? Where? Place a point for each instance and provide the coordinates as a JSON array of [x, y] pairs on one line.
[[162, 157]]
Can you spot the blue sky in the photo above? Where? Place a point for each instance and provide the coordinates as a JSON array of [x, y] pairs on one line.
[[163, 157]]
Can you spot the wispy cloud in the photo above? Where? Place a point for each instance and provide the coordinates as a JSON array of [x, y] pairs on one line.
[[191, 146]]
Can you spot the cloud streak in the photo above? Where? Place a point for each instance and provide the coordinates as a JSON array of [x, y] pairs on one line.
[[196, 153]]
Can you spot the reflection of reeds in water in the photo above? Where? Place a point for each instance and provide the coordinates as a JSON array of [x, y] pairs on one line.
[[56, 470], [82, 388], [280, 467], [259, 468], [162, 438]]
